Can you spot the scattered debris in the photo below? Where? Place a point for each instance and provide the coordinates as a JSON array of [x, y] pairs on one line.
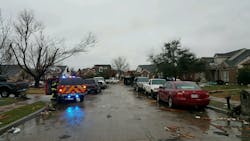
[[219, 127], [221, 133], [14, 130], [109, 116], [202, 118], [64, 137], [178, 132], [171, 109], [197, 117], [245, 122], [226, 119], [242, 136]]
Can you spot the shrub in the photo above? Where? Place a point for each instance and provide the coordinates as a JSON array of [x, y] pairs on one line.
[[244, 76]]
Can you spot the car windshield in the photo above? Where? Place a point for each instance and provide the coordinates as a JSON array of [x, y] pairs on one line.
[[159, 82], [71, 81], [142, 79], [89, 81], [187, 86]]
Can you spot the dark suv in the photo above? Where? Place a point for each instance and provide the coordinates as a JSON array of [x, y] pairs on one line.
[[92, 85]]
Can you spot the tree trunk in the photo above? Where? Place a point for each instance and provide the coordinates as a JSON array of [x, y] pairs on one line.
[[37, 80]]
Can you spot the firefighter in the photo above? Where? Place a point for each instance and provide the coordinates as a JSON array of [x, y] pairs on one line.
[[54, 90]]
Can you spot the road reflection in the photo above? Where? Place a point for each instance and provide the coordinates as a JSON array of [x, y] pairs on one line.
[[74, 115]]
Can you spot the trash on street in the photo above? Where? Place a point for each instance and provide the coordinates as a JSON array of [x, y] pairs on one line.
[[14, 130]]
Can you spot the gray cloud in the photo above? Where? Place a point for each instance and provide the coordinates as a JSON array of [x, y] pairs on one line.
[[135, 28]]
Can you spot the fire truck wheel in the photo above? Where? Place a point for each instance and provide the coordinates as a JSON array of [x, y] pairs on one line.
[[81, 98]]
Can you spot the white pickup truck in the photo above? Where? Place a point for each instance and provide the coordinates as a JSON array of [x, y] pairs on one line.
[[153, 85]]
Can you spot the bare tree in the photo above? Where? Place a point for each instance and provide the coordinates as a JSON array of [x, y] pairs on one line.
[[35, 52], [5, 54], [120, 64]]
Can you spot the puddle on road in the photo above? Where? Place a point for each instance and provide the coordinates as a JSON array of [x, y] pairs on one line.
[[64, 137], [171, 109], [74, 115]]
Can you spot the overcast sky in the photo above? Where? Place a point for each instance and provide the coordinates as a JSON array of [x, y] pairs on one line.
[[136, 28]]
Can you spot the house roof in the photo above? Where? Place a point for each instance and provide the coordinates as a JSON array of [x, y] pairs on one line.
[[62, 67], [10, 70], [228, 54], [149, 68], [235, 60]]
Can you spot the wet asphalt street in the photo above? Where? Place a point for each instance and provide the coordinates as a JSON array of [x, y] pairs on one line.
[[120, 114]]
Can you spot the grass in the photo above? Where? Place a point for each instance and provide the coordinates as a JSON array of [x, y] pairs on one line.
[[9, 100], [222, 91], [35, 91], [18, 113], [224, 87], [235, 94]]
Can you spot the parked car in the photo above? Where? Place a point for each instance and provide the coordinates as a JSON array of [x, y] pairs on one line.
[[92, 85], [101, 81], [16, 88], [152, 86], [183, 93], [138, 83]]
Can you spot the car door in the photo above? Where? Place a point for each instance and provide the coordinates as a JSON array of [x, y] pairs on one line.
[[165, 92]]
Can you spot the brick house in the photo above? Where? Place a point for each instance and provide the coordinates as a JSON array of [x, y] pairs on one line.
[[146, 70], [224, 66], [14, 73], [103, 70]]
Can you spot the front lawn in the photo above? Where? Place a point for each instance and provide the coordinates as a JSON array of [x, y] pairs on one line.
[[224, 87], [35, 91], [9, 100], [225, 90], [18, 113]]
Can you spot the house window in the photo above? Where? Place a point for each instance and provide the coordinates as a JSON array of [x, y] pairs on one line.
[[100, 69], [225, 76]]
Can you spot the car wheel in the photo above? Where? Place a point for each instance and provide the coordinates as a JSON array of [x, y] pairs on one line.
[[170, 102], [4, 93], [58, 99], [81, 98], [152, 95]]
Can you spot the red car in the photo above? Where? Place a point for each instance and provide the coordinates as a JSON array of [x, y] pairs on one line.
[[183, 93]]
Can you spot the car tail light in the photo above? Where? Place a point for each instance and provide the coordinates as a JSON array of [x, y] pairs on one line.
[[60, 90]]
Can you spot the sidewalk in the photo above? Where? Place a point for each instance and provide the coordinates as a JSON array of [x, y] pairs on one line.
[[31, 99]]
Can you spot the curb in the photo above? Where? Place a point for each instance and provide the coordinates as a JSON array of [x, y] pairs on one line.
[[217, 109], [20, 121]]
